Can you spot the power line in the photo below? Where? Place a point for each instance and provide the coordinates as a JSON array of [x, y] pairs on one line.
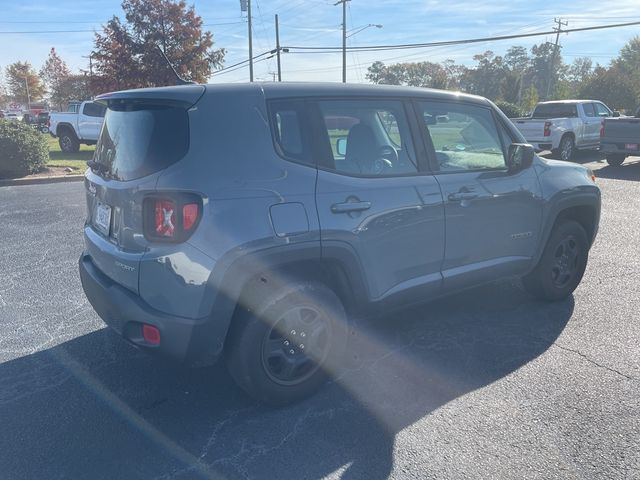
[[374, 48]]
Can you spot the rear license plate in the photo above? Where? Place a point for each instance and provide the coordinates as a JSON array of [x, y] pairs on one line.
[[631, 146], [102, 219]]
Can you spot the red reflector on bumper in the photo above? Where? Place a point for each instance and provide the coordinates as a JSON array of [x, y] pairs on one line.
[[151, 334]]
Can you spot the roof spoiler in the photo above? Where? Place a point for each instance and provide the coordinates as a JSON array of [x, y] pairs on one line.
[[184, 96]]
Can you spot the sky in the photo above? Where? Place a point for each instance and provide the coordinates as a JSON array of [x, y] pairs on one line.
[[318, 23]]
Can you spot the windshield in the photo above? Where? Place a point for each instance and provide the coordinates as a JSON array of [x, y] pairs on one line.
[[555, 110], [140, 140]]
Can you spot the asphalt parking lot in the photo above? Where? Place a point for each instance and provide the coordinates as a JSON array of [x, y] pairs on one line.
[[486, 384]]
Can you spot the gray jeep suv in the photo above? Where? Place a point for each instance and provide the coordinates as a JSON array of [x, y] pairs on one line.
[[252, 221]]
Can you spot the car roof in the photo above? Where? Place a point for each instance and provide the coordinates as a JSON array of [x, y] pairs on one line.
[[552, 102], [327, 89]]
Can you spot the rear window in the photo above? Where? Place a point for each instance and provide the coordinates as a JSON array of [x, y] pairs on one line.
[[138, 140], [555, 110]]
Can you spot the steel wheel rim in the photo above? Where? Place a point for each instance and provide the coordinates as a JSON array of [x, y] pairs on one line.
[[565, 265], [296, 346]]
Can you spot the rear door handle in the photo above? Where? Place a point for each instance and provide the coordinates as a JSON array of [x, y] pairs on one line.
[[347, 207]]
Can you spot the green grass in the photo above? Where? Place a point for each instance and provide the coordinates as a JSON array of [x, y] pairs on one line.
[[77, 161]]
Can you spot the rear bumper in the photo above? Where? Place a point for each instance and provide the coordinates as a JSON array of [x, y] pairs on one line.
[[186, 340], [619, 148]]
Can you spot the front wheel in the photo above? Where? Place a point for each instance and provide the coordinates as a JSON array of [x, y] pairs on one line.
[[615, 160], [562, 264], [285, 345]]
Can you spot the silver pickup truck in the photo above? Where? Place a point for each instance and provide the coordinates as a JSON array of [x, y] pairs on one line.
[[620, 138], [565, 126]]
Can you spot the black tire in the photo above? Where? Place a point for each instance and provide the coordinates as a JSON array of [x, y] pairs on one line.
[[264, 343], [616, 160], [562, 264], [68, 142]]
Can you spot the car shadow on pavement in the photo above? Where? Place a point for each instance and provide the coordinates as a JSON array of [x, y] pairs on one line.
[[94, 407]]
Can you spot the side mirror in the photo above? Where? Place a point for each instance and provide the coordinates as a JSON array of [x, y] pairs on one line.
[[520, 156], [341, 147], [615, 113]]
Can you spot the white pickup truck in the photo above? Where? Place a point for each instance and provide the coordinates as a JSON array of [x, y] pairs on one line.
[[81, 123], [565, 126]]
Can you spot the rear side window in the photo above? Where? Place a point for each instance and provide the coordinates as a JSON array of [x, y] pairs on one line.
[[138, 140], [94, 110], [555, 110], [287, 123]]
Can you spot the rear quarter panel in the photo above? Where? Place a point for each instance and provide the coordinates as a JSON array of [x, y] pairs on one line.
[[233, 165]]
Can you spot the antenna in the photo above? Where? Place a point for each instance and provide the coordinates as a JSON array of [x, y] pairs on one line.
[[179, 79]]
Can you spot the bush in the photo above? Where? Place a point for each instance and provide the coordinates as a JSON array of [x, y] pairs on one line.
[[509, 109], [23, 150]]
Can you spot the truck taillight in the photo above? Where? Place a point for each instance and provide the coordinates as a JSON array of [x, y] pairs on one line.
[[171, 218], [547, 129]]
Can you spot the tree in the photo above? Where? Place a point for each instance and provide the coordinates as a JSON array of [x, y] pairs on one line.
[[55, 73], [418, 74], [628, 63], [612, 87], [529, 99], [126, 53], [543, 67], [18, 76], [487, 77]]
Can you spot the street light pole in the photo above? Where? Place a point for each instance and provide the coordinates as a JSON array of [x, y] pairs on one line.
[[360, 29], [245, 6]]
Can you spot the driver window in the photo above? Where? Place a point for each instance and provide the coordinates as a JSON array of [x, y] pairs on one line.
[[368, 137], [465, 137]]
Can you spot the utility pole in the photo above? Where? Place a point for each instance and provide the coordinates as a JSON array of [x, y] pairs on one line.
[[558, 31], [26, 84], [344, 38], [278, 48], [245, 6]]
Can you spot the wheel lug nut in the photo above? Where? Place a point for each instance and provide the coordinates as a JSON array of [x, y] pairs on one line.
[[301, 346], [286, 343], [292, 351], [293, 332], [302, 334]]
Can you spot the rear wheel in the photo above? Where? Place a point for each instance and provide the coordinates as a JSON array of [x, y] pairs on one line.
[[567, 148], [615, 160], [68, 142], [562, 264], [284, 346]]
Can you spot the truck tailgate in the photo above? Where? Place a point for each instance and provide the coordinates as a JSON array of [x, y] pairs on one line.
[[533, 130], [622, 129]]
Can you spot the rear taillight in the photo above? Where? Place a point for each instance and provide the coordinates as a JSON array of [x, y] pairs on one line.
[[171, 218], [547, 129]]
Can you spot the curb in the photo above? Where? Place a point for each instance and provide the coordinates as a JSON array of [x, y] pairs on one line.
[[41, 180]]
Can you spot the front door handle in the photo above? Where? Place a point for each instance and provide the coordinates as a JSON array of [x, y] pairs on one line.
[[461, 196], [348, 207]]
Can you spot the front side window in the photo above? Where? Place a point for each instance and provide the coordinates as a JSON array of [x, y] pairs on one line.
[[601, 110], [589, 109], [465, 137], [368, 137]]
